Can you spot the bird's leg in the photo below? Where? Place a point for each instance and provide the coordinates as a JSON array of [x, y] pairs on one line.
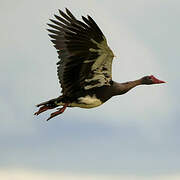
[[60, 111], [42, 109]]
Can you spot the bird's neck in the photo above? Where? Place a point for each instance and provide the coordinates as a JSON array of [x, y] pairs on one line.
[[122, 88]]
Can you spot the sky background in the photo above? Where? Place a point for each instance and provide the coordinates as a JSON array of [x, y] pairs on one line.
[[130, 137]]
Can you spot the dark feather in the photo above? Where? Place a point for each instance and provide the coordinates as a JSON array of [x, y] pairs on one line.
[[55, 27], [70, 14], [62, 20], [65, 16], [73, 40], [54, 31]]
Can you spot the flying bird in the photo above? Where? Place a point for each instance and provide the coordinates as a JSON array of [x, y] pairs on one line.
[[85, 66]]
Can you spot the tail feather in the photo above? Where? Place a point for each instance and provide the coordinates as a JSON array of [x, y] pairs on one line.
[[51, 102], [47, 103]]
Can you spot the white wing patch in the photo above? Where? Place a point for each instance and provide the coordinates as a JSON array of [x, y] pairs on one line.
[[102, 67]]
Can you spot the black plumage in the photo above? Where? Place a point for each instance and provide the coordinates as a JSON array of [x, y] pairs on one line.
[[73, 39], [85, 66]]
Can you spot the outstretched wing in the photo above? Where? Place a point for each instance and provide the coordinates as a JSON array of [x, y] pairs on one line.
[[85, 58]]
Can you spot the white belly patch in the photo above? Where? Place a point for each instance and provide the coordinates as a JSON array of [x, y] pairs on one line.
[[85, 102], [89, 101]]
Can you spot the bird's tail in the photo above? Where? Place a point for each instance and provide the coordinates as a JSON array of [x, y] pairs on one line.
[[50, 103]]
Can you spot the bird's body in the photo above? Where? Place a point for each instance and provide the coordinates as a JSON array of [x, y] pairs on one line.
[[85, 66], [93, 98]]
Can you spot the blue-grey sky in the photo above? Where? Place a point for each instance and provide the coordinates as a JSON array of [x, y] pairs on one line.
[[131, 137]]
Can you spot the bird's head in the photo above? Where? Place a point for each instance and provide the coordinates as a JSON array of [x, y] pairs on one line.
[[151, 80]]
